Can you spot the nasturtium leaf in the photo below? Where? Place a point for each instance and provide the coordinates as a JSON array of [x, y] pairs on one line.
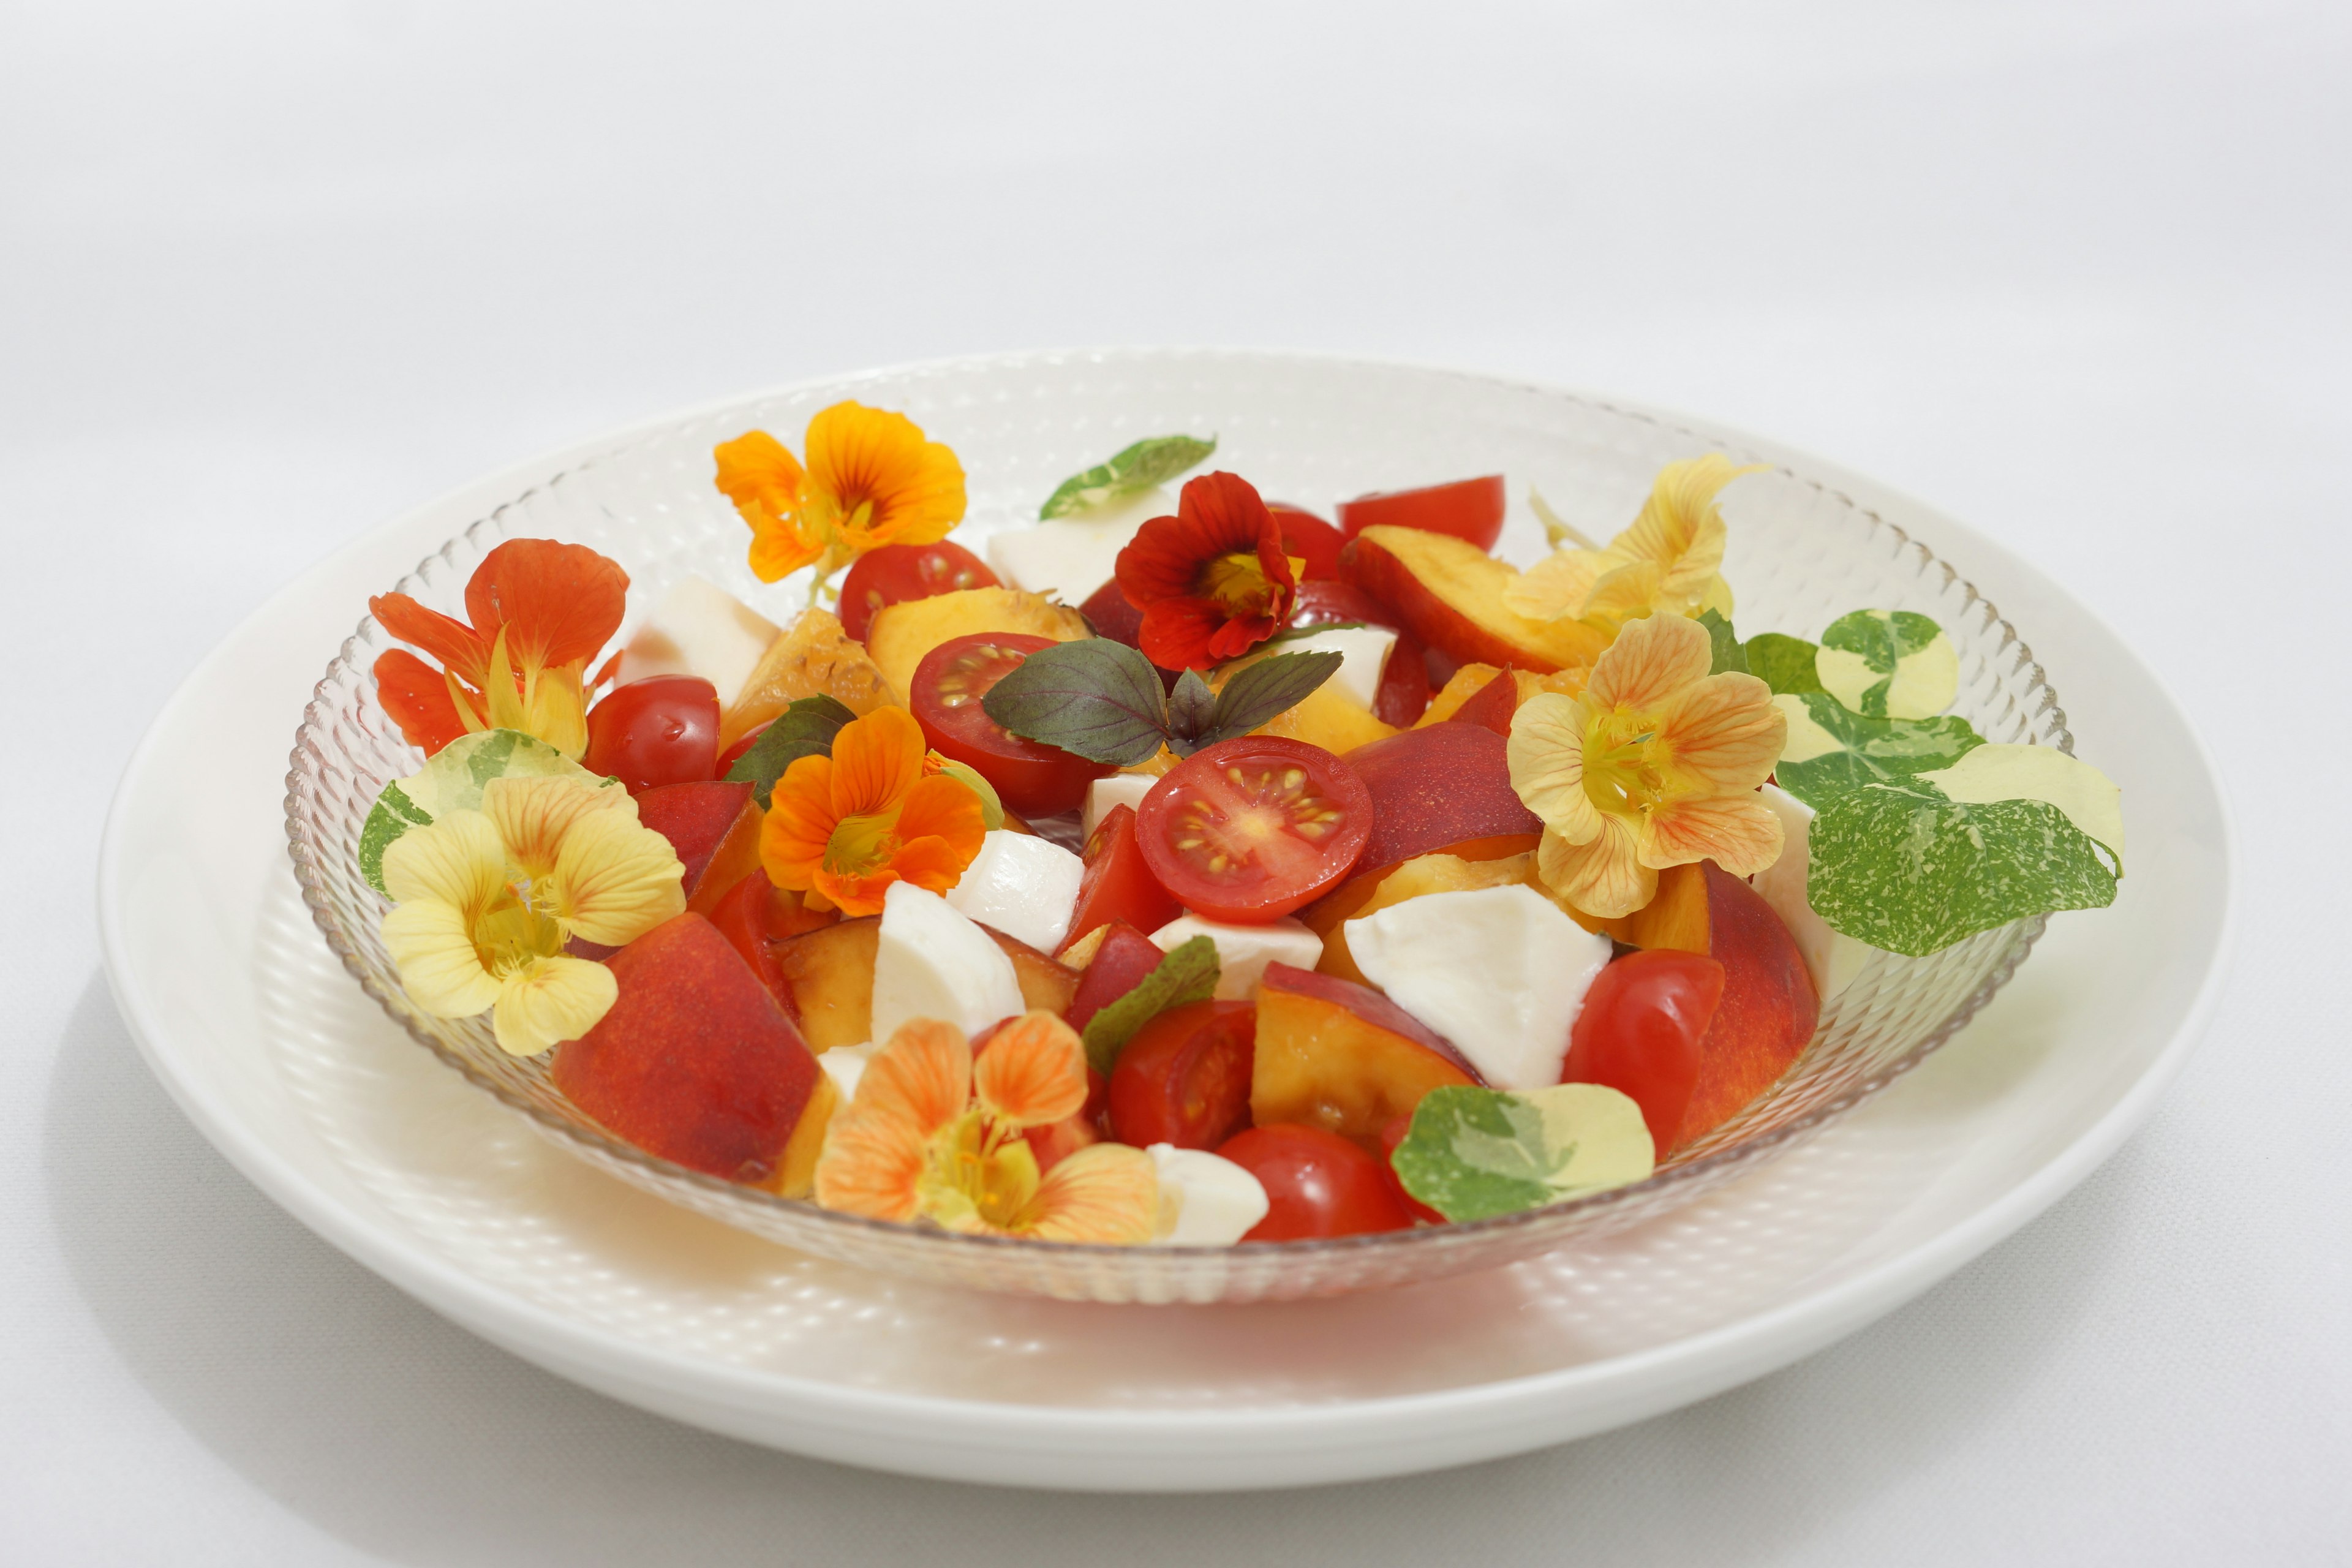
[[1094, 698], [991, 807], [1189, 973], [1783, 663], [1903, 868], [1472, 1153], [1992, 772], [1832, 750], [1889, 664], [1191, 709], [1154, 460], [805, 728], [453, 781], [1269, 687], [1728, 654]]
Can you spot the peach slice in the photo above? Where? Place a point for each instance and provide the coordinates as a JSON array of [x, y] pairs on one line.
[[901, 633], [1449, 594], [830, 973], [1341, 1057], [714, 827]]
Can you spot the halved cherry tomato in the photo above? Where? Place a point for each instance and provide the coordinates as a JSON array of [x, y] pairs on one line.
[[1309, 538], [1404, 693], [1119, 966], [1032, 779], [1317, 1184], [1253, 827], [1184, 1078], [663, 729], [1390, 1136], [1639, 1031], [750, 738], [1466, 509], [1117, 884], [896, 572]]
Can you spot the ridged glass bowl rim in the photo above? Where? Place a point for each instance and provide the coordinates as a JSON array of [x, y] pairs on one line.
[[301, 846]]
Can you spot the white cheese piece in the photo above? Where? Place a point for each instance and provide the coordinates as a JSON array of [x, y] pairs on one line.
[[1363, 654], [846, 1065], [1070, 557], [1244, 952], [1206, 1200], [1832, 958], [699, 628], [1119, 789], [1500, 972], [1025, 886], [932, 961]]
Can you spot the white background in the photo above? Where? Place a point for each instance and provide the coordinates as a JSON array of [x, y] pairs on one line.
[[2081, 275]]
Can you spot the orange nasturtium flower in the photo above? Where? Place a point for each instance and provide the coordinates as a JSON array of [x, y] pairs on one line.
[[932, 1132], [1656, 764], [1213, 581], [851, 824], [872, 479], [540, 611]]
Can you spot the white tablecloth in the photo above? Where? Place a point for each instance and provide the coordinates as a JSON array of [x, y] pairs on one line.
[[2077, 274]]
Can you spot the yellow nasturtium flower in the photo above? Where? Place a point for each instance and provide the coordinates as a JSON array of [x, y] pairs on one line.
[[872, 479], [1668, 562]]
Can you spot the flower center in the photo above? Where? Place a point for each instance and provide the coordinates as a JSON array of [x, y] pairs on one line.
[[987, 1165], [1624, 763], [1239, 583], [511, 935], [861, 845]]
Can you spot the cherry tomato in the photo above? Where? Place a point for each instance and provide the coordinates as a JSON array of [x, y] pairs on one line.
[[1117, 884], [896, 572], [1252, 829], [742, 918], [1031, 779], [1466, 509], [1310, 539], [663, 729], [1185, 1078], [1390, 1136], [1639, 1031], [1317, 1184], [750, 738]]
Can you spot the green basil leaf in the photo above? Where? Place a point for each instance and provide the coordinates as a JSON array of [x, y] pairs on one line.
[[1832, 750], [1472, 1153], [1153, 460], [1094, 698], [1907, 871], [1889, 664], [1783, 663], [453, 780], [1190, 709], [1269, 687], [1189, 973], [805, 728], [1728, 654]]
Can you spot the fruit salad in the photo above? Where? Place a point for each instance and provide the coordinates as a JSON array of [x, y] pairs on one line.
[[1186, 869]]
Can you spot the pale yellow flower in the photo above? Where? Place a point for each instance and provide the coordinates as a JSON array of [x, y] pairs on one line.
[[1668, 562], [486, 899], [1656, 764]]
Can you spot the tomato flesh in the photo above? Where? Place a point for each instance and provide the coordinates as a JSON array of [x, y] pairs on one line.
[[1184, 1078], [896, 572], [1639, 1032], [1032, 779], [1317, 1184], [1119, 966], [1117, 883], [663, 729], [1251, 828], [1466, 509]]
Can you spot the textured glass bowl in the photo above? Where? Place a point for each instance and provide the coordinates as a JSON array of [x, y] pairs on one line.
[[1307, 430]]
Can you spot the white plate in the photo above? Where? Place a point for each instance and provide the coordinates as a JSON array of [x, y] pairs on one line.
[[302, 1083]]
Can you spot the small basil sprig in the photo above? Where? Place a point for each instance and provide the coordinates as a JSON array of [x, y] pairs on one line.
[[1153, 460], [1189, 973], [1102, 700], [805, 728]]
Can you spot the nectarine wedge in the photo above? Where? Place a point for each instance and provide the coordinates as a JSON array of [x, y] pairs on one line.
[[1449, 594], [1342, 1056]]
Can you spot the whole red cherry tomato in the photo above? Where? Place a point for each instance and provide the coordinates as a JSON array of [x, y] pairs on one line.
[[1032, 779], [896, 572], [1118, 885], [1466, 509], [1317, 1184], [1639, 1032], [663, 729], [1184, 1078], [1253, 827], [1309, 538]]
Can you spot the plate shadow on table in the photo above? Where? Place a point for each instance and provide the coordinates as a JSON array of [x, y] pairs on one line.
[[395, 1431]]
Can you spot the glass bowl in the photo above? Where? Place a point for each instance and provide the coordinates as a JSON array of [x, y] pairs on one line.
[[1307, 430]]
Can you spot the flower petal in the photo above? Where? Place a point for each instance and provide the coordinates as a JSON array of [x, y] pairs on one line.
[[551, 1000], [1737, 832], [558, 603], [1546, 753], [872, 1165], [531, 814], [431, 946], [456, 859], [1104, 1192], [614, 879], [457, 645], [1604, 877], [760, 476], [1182, 634], [922, 1073], [417, 697], [913, 488], [1032, 1071], [1216, 514], [799, 824], [1651, 661], [1556, 587], [1723, 733], [1680, 528], [876, 760]]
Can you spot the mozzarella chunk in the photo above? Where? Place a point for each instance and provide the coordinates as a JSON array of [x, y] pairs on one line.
[[1363, 658], [1500, 972], [1206, 1200], [1832, 958], [1025, 886], [846, 1065], [1244, 952], [1070, 557], [1119, 789], [932, 961], [699, 628]]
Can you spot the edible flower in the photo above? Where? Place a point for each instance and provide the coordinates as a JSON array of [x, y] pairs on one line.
[[934, 1132], [539, 612], [1668, 562], [1213, 581], [488, 898], [1654, 764], [851, 824], [872, 479]]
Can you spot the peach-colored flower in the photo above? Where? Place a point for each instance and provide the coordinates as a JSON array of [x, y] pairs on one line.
[[1656, 764], [934, 1134], [1667, 563]]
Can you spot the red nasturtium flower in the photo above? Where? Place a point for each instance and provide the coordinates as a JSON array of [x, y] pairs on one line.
[[540, 611], [1211, 582]]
